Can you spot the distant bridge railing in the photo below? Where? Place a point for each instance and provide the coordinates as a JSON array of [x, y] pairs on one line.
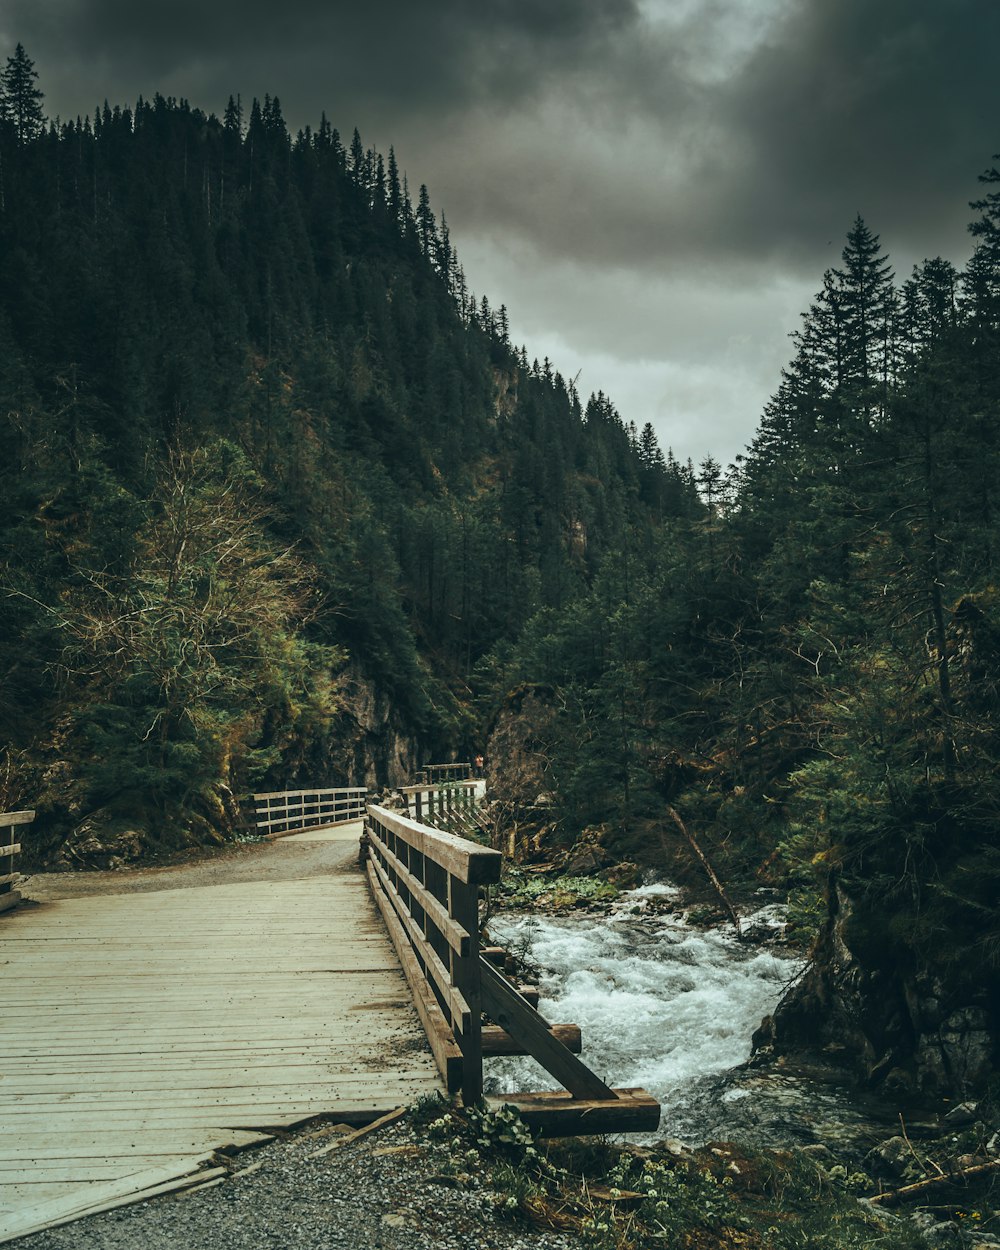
[[9, 822], [449, 805], [427, 885], [285, 812], [444, 772]]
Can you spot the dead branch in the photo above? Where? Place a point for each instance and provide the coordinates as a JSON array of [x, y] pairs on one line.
[[932, 1182], [710, 871]]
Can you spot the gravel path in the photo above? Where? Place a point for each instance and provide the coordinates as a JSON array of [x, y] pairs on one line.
[[375, 1194], [285, 859]]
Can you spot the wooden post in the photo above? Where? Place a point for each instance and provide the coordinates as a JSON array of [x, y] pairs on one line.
[[463, 906]]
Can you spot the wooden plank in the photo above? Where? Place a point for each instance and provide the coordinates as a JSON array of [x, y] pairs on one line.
[[446, 1052], [466, 860], [93, 985], [506, 1007], [9, 899], [15, 818], [344, 791], [453, 933], [121, 1196], [10, 850], [382, 1122], [497, 1041], [558, 1114], [457, 1004]]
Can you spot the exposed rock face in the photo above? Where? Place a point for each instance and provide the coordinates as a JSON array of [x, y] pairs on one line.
[[518, 748], [384, 753], [912, 1030]]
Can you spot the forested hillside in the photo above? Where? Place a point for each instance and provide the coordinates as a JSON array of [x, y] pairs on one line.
[[809, 673], [267, 464]]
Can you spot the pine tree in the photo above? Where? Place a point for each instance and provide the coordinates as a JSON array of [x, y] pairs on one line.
[[20, 99]]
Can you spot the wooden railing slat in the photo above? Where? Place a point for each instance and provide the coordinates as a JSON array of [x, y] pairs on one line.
[[472, 864], [454, 934], [16, 818], [457, 1004]]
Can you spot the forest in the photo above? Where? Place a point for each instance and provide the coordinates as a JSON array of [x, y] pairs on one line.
[[267, 461]]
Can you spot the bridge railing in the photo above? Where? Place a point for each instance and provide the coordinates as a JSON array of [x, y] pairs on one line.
[[448, 805], [294, 811], [431, 773], [9, 848], [426, 883]]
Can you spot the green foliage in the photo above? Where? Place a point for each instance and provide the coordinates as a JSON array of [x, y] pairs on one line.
[[520, 890], [723, 1195]]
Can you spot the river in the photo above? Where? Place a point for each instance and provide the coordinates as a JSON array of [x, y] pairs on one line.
[[670, 1006]]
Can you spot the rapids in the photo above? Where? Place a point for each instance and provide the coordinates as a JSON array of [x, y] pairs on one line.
[[671, 1007]]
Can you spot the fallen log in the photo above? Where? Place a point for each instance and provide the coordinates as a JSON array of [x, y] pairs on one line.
[[934, 1182]]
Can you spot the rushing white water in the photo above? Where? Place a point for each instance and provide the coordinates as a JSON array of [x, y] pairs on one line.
[[662, 1004]]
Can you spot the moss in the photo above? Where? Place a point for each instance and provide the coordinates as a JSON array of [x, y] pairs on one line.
[[553, 893]]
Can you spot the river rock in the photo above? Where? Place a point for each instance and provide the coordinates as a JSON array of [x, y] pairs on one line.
[[964, 1113], [937, 1234], [582, 861], [889, 1157], [865, 1005]]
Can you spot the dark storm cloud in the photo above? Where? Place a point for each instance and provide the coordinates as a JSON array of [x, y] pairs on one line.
[[430, 56], [614, 132], [653, 187], [886, 108]]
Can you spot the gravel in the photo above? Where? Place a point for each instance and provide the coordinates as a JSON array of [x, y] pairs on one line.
[[280, 860], [353, 1198]]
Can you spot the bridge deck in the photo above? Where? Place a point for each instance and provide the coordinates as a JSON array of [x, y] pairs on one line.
[[141, 1032]]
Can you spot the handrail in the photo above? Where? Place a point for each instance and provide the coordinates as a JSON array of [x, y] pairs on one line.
[[426, 883], [283, 812], [9, 896], [444, 772], [455, 801]]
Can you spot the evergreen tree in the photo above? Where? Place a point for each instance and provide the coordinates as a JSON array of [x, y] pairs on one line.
[[20, 98]]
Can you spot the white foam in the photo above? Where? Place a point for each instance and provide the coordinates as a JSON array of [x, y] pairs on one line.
[[661, 1004]]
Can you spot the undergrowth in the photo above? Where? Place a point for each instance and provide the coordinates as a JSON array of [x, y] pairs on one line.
[[613, 1197], [523, 890]]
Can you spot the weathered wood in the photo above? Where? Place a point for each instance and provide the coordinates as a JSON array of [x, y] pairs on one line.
[[16, 818], [497, 1041], [463, 903], [444, 1048], [9, 899], [283, 812], [171, 1023], [558, 1114], [470, 863], [376, 1125], [506, 1007], [454, 934], [457, 1004], [958, 1177]]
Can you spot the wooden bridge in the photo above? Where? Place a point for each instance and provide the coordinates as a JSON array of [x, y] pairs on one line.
[[143, 1033]]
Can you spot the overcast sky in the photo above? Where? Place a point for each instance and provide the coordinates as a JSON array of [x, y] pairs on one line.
[[653, 187]]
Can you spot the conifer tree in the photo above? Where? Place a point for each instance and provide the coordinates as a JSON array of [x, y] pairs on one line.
[[20, 98]]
